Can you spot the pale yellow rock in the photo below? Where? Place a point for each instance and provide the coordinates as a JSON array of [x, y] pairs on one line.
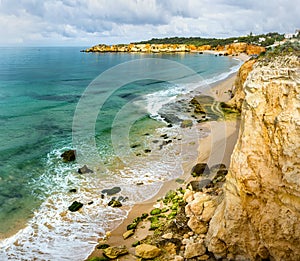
[[197, 226], [203, 257], [128, 234], [167, 236], [188, 196], [178, 258], [194, 250], [114, 252], [195, 207], [209, 209], [259, 216], [147, 251]]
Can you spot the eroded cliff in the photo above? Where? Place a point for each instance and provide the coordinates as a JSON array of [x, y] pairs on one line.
[[259, 217]]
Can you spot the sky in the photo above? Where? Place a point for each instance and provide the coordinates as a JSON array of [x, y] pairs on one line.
[[90, 22]]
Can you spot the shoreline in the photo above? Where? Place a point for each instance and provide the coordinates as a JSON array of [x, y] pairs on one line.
[[216, 148]]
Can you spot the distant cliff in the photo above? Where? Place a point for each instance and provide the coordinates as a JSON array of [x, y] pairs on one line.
[[258, 219], [231, 49]]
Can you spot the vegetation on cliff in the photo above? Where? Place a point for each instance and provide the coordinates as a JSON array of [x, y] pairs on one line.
[[262, 39]]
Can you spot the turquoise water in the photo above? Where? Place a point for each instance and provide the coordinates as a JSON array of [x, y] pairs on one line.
[[39, 91]]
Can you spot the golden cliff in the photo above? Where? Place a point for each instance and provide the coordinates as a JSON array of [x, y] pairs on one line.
[[259, 216], [239, 94], [232, 49]]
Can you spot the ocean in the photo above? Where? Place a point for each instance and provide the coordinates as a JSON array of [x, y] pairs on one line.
[[115, 109]]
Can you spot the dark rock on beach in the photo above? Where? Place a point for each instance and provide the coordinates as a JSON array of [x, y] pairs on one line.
[[69, 155], [200, 169], [84, 170], [199, 185], [111, 191], [75, 206], [114, 203]]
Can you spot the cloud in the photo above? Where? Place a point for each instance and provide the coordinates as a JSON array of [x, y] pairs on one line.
[[88, 22]]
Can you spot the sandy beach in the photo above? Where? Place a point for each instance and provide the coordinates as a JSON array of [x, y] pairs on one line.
[[214, 149]]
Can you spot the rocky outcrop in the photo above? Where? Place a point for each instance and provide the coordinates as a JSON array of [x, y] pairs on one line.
[[259, 216], [238, 92]]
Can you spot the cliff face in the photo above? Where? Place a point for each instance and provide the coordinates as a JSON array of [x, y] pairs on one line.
[[239, 94], [259, 217], [244, 48]]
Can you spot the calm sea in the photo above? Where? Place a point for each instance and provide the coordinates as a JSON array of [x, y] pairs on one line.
[[40, 89]]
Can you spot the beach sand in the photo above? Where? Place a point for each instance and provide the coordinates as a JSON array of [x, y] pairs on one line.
[[213, 149]]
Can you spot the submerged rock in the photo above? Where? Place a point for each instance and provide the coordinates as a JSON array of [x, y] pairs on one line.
[[111, 191], [68, 155], [114, 252], [147, 251], [84, 170], [75, 206]]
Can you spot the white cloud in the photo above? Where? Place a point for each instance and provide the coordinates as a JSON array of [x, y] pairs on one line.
[[88, 22]]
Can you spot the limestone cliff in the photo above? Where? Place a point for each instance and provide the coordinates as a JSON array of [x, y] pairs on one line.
[[259, 217], [249, 49], [238, 92], [232, 49]]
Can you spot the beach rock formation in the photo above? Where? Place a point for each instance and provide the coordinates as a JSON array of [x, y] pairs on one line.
[[258, 218]]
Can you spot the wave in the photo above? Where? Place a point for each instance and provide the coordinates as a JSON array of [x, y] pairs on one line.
[[54, 233]]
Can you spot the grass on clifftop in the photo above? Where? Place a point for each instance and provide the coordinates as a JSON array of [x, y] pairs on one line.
[[287, 48]]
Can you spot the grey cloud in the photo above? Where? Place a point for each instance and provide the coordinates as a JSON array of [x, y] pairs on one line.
[[125, 20]]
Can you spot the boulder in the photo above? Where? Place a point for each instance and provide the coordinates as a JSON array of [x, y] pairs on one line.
[[84, 170], [194, 250], [114, 252], [75, 206], [114, 203], [111, 191], [147, 251], [199, 185], [217, 167], [200, 169], [68, 155]]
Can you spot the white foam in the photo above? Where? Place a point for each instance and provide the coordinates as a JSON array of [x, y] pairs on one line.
[[54, 233]]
